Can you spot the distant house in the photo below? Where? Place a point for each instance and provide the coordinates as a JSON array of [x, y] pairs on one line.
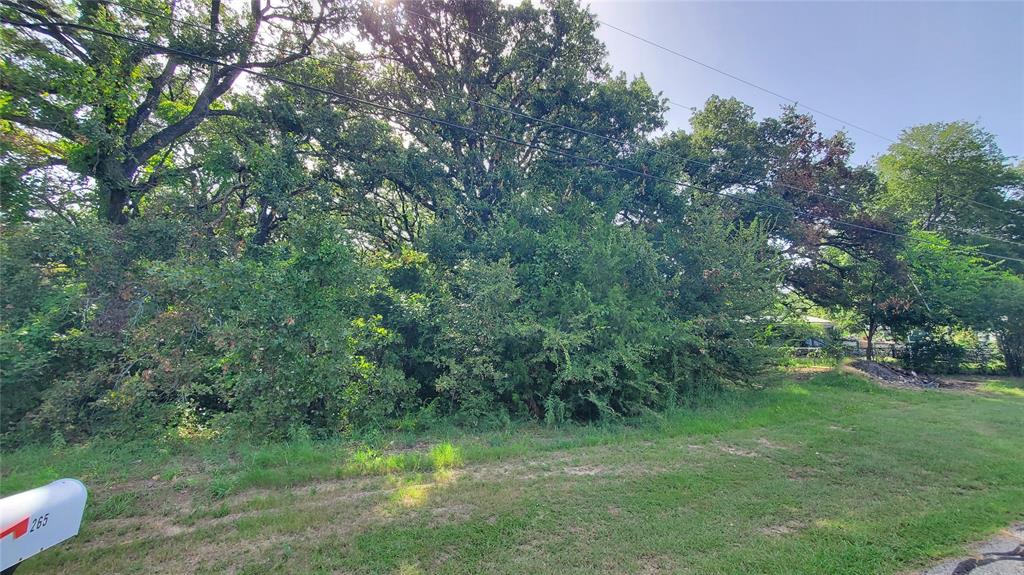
[[819, 321], [825, 325], [853, 346]]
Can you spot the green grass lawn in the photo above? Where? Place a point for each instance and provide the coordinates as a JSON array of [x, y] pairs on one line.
[[827, 475], [995, 383]]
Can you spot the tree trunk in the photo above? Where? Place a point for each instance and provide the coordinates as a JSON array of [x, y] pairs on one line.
[[1011, 343], [870, 352], [117, 205], [264, 224], [114, 189]]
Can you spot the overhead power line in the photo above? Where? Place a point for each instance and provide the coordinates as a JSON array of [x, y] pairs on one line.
[[725, 73], [744, 81], [991, 207], [642, 147], [584, 159], [771, 92], [548, 59]]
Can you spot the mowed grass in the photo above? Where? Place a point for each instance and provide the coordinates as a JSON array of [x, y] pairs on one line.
[[828, 475], [997, 384]]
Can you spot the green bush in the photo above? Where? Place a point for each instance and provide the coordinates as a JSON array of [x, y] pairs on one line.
[[934, 353], [60, 308], [558, 318], [584, 319], [283, 342]]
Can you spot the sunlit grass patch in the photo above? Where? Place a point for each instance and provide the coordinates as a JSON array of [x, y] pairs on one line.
[[369, 461], [797, 390], [1013, 386], [412, 495], [409, 569], [445, 456]]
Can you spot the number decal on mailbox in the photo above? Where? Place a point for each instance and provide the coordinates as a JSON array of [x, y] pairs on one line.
[[39, 522]]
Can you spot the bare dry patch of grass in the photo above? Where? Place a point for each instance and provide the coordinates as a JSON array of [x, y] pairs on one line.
[[737, 451], [779, 529]]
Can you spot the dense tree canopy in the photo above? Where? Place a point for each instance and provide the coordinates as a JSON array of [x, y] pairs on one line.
[[115, 111], [952, 178], [422, 210]]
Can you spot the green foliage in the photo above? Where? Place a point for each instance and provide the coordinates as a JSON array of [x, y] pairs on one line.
[[953, 178], [934, 353], [57, 311], [183, 260], [960, 289], [1006, 318], [590, 318], [287, 343], [114, 111]]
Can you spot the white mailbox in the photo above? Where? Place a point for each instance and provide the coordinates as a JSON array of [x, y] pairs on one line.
[[38, 519]]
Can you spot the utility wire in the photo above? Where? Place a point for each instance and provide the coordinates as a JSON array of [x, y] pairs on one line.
[[773, 93], [656, 152], [996, 208], [548, 59], [583, 159], [744, 81], [720, 71]]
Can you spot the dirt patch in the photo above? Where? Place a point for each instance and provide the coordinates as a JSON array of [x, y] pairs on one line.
[[162, 522], [584, 470], [738, 451], [782, 528], [892, 376], [572, 465], [807, 372], [127, 530]]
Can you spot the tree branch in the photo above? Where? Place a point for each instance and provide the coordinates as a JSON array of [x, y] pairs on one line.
[[219, 82], [144, 110]]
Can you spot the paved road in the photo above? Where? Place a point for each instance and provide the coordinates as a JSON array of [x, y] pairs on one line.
[[1001, 555]]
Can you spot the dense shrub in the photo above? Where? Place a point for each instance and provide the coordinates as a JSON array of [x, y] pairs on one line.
[[60, 310], [560, 318], [572, 315], [584, 319], [283, 341], [934, 353]]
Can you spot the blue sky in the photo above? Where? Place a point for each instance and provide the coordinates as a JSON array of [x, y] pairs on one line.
[[881, 65]]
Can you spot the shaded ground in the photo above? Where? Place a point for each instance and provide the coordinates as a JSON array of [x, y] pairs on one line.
[[1003, 554], [830, 475]]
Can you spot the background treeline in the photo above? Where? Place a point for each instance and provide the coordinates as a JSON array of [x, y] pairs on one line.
[[435, 210]]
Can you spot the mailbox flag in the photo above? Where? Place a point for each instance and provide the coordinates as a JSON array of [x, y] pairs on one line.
[[18, 529]]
